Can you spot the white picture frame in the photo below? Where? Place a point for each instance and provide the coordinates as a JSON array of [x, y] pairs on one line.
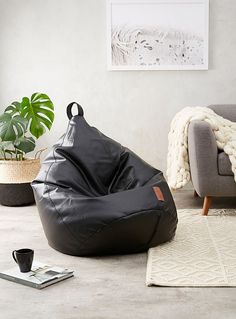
[[157, 34]]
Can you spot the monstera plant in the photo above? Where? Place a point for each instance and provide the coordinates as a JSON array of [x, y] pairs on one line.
[[21, 124]]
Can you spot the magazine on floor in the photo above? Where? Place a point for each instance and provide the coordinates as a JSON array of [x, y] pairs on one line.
[[40, 276]]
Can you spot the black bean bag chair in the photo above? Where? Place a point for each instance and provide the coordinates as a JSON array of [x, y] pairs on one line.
[[97, 197]]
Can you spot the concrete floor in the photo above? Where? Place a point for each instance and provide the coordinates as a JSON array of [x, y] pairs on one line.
[[108, 287]]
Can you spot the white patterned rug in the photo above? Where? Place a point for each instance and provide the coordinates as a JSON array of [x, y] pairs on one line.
[[202, 254]]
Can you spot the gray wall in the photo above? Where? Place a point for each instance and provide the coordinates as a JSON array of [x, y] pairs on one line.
[[59, 47]]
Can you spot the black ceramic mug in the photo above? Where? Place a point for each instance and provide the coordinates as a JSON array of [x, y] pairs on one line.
[[24, 258]]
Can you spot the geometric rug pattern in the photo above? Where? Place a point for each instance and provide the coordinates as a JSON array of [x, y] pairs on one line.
[[202, 254]]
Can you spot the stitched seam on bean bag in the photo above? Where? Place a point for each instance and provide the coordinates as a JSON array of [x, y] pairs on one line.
[[61, 217], [114, 221]]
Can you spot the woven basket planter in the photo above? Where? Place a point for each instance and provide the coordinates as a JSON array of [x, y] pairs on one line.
[[15, 179]]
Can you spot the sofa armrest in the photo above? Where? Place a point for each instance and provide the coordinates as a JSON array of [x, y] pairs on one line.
[[203, 153]]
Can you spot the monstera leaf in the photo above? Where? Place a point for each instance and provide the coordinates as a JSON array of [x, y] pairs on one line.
[[25, 144], [39, 112], [14, 108], [12, 127]]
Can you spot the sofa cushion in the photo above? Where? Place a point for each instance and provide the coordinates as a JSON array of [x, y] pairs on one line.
[[224, 165], [228, 111]]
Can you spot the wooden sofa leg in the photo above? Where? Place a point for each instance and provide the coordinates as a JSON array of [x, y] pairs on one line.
[[206, 205]]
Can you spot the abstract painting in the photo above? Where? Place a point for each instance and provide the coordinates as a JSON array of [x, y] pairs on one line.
[[157, 35]]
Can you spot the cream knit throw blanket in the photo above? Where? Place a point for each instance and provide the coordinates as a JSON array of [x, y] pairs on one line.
[[178, 171]]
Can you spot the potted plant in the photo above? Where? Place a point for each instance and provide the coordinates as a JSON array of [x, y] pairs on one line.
[[20, 125]]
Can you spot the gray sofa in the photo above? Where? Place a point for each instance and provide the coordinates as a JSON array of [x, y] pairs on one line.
[[210, 167]]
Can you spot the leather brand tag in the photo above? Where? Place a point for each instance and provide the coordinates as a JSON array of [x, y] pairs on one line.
[[158, 193]]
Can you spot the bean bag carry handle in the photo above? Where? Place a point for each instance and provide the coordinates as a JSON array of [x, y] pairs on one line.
[[69, 108]]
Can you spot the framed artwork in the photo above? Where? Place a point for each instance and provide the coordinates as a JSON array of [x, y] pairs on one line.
[[157, 34]]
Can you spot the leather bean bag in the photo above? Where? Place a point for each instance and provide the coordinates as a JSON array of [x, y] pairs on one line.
[[97, 197]]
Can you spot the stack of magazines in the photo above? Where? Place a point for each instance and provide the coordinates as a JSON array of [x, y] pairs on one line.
[[40, 276]]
